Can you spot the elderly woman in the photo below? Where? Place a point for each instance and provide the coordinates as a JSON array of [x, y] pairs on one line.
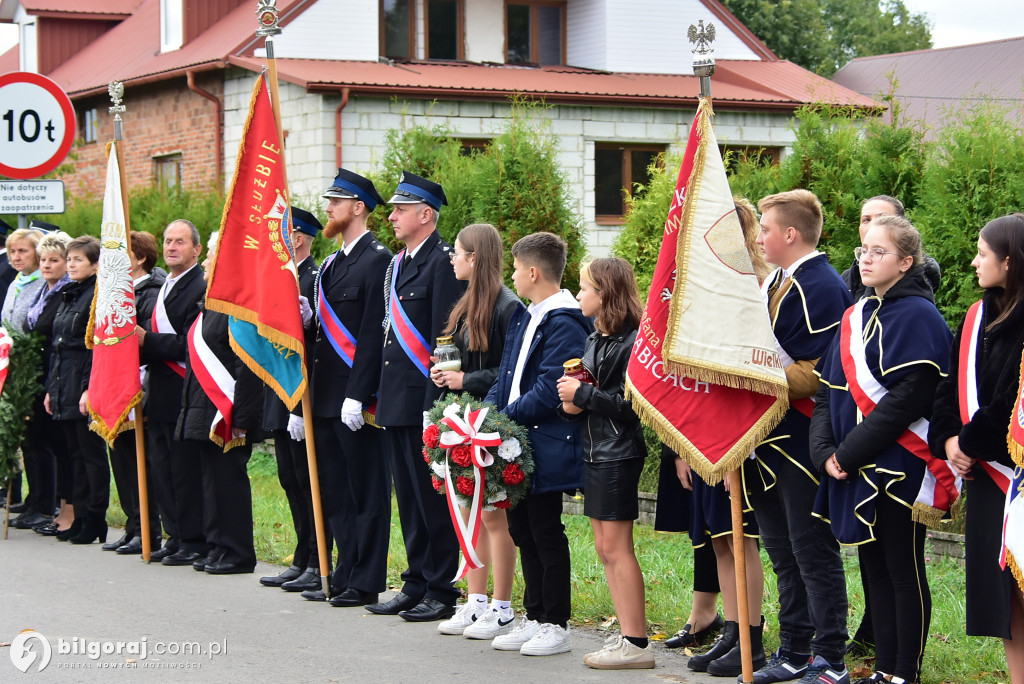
[[23, 257], [40, 446], [67, 394]]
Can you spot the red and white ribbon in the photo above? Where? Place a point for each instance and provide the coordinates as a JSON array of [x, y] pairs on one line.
[[216, 381], [466, 430], [5, 351]]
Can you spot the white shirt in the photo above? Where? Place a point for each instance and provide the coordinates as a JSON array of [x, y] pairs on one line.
[[171, 280], [562, 299], [348, 247]]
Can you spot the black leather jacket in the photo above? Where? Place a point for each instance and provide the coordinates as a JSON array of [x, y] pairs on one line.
[[612, 431]]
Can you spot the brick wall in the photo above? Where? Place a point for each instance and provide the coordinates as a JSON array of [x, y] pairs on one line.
[[161, 119]]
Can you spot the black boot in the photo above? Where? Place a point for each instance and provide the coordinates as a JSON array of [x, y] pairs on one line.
[[723, 644], [731, 664], [73, 530], [94, 527]]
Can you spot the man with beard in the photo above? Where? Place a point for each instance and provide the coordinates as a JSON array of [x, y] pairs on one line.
[[349, 307], [420, 289]]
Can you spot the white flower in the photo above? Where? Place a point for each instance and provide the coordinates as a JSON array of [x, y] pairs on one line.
[[438, 469], [510, 449], [490, 508], [499, 496], [452, 410]]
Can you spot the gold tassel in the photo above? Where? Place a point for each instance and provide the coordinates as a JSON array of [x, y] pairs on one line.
[[110, 432], [1015, 570]]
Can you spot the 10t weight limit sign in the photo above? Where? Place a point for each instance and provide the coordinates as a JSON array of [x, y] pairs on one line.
[[37, 125]]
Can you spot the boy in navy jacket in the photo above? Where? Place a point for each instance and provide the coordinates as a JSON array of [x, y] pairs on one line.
[[539, 340]]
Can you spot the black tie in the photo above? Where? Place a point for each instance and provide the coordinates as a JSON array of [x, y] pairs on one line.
[[406, 261]]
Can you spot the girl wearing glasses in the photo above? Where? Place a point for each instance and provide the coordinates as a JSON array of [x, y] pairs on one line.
[[869, 439], [973, 406]]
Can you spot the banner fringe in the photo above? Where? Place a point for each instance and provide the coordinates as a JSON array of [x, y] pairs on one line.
[[927, 515], [1015, 569], [711, 473], [110, 433], [290, 401], [729, 377]]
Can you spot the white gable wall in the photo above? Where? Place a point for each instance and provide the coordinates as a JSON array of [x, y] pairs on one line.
[[485, 30], [587, 33], [332, 29]]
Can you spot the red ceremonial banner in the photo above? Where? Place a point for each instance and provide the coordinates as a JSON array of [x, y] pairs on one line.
[[1016, 437]]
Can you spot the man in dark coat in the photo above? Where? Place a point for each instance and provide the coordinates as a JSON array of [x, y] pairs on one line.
[[174, 469], [7, 272], [349, 311], [420, 288], [289, 432]]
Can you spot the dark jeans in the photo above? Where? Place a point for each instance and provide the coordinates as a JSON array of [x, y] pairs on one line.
[[536, 528], [431, 548], [901, 602], [806, 560], [356, 496]]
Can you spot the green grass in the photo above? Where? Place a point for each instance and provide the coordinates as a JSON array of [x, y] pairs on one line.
[[666, 559]]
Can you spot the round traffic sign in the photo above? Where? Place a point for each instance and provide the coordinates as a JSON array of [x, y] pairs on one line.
[[37, 125]]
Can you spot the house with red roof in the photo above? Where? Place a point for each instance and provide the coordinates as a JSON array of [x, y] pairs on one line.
[[617, 76]]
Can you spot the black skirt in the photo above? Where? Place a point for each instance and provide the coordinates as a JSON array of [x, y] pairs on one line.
[[610, 489]]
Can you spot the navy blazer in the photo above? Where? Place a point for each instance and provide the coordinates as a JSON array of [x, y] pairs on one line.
[[275, 415], [557, 444], [163, 401], [354, 289], [428, 290]]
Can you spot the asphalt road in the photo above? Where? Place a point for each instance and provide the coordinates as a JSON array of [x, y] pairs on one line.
[[198, 627]]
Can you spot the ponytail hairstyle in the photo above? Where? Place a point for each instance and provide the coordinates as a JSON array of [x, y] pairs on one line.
[[1005, 237], [476, 306]]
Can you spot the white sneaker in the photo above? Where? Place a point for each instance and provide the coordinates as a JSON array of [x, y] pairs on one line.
[[620, 655], [489, 625], [523, 631], [466, 615], [550, 639]]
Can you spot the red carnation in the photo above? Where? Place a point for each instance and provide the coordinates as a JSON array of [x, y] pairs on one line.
[[462, 455], [437, 483], [431, 436], [426, 456], [464, 485], [512, 475], [504, 503]]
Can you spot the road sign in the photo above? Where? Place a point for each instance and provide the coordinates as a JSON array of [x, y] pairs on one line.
[[37, 125], [32, 197]]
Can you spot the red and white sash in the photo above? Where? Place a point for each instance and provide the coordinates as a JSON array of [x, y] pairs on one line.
[[217, 383], [941, 485], [160, 323], [6, 342], [967, 386]]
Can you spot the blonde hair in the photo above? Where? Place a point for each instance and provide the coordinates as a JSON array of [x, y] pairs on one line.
[[55, 242], [800, 209], [748, 222], [24, 235]]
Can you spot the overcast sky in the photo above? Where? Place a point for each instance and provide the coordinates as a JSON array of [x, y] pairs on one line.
[[954, 22]]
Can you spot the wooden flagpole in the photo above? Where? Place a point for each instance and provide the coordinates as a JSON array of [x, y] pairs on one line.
[[267, 14], [116, 91]]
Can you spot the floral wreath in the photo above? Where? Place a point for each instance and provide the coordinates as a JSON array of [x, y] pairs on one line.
[[479, 459]]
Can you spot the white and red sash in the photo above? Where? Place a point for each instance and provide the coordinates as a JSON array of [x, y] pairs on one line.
[[160, 323], [941, 485], [967, 386], [217, 383]]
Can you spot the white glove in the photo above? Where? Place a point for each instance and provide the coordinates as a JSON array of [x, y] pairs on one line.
[[296, 427], [426, 420], [352, 414], [305, 310]]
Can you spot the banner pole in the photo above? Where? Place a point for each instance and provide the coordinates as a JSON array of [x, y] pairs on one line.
[[740, 559], [267, 14]]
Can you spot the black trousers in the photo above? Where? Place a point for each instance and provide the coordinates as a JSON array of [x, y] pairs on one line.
[[40, 464], [124, 466], [293, 474], [806, 560], [536, 528], [227, 502], [91, 489], [175, 471], [901, 602], [431, 547], [356, 496]]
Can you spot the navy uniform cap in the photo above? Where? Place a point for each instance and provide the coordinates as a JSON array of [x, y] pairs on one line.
[[43, 226], [349, 185], [413, 189], [304, 221]]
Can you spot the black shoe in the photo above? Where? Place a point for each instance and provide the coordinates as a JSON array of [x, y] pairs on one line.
[[353, 597], [286, 576], [94, 527], [731, 664], [115, 545], [395, 606], [428, 610], [182, 557], [307, 581], [29, 519], [18, 507], [687, 637], [225, 568], [49, 529], [314, 595], [729, 637], [71, 531], [130, 548], [165, 552]]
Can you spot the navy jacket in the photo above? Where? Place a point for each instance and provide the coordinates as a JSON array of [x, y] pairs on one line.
[[557, 445]]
